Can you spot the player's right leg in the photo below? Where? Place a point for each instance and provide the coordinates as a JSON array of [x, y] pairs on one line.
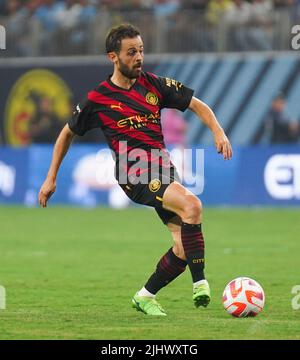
[[179, 200], [148, 305], [168, 268]]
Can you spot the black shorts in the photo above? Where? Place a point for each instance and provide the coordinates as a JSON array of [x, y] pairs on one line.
[[151, 194]]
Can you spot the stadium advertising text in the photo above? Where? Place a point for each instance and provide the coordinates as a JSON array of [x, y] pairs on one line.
[[2, 38], [282, 176]]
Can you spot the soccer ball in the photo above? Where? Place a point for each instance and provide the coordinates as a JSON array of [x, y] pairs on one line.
[[243, 297]]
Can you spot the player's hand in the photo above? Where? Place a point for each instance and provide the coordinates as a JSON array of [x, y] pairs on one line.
[[223, 145], [46, 191]]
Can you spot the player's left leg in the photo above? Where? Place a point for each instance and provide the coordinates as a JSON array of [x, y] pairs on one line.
[[188, 207], [201, 291]]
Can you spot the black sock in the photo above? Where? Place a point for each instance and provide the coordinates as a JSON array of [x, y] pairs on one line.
[[168, 268], [193, 245]]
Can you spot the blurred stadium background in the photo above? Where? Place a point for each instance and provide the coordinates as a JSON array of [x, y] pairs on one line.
[[239, 58]]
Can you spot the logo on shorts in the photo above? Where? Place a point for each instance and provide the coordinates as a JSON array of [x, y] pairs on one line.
[[154, 185], [151, 98]]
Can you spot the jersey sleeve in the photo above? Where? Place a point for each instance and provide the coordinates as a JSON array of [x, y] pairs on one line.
[[174, 94], [84, 118]]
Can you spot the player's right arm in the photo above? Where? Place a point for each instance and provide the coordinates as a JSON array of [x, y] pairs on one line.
[[61, 147], [84, 118]]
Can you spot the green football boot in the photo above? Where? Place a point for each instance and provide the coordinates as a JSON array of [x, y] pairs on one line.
[[147, 305], [201, 294]]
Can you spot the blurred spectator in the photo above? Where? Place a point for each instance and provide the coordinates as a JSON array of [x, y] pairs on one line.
[[279, 127], [147, 4], [260, 35], [194, 4], [174, 127], [2, 7], [214, 14], [174, 130], [44, 126], [248, 25], [279, 4], [47, 15], [68, 17], [73, 26], [16, 25], [216, 9], [165, 7], [67, 27], [289, 9], [236, 19]]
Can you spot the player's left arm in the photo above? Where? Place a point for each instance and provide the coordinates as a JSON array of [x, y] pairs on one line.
[[205, 113]]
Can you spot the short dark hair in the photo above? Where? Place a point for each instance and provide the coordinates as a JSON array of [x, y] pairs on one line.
[[117, 34]]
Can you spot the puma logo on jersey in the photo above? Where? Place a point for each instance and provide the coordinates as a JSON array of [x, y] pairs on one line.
[[116, 106]]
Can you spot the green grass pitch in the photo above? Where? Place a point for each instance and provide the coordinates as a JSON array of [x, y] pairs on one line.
[[70, 274]]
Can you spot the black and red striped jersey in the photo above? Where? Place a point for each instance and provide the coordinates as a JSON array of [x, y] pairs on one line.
[[131, 119]]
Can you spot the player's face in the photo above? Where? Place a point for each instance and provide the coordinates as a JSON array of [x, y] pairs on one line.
[[131, 57]]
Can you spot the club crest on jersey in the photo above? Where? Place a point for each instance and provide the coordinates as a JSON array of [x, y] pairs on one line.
[[154, 185], [151, 98]]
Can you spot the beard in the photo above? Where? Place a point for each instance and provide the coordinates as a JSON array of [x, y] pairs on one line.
[[128, 72]]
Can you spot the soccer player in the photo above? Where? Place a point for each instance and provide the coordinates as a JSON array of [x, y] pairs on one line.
[[126, 106]]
